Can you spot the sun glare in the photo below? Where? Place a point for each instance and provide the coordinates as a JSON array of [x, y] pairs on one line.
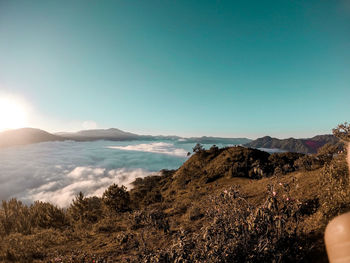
[[13, 114]]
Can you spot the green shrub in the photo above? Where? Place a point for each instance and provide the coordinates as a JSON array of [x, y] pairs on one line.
[[46, 215], [326, 152], [154, 218], [307, 163], [146, 191], [335, 182], [86, 209], [283, 163], [198, 148], [241, 232], [116, 199], [15, 217], [342, 131]]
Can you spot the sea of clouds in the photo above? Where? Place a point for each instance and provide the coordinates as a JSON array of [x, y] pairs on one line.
[[156, 147], [58, 171]]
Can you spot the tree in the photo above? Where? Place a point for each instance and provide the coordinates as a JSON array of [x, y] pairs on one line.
[[342, 131], [86, 209], [78, 207], [46, 215], [116, 198], [14, 217], [214, 149], [198, 148]]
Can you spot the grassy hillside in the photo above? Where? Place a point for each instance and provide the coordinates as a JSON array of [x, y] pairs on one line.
[[223, 205]]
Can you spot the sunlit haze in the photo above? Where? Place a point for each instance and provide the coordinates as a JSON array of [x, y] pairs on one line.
[[12, 114]]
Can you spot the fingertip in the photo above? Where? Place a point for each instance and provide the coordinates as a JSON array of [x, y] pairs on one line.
[[337, 239]]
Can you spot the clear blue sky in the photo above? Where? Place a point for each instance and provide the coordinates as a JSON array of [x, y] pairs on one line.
[[221, 68]]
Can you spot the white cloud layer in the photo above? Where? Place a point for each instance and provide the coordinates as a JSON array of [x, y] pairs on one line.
[[91, 181], [57, 171], [155, 147]]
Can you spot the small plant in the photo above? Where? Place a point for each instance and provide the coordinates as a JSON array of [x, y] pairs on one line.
[[154, 218]]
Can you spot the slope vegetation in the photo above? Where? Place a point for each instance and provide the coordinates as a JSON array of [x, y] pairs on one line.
[[223, 205]]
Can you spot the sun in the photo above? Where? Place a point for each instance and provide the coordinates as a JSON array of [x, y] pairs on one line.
[[13, 113]]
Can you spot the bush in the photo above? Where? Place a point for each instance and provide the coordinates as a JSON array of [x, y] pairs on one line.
[[154, 218], [284, 163], [46, 215], [15, 217], [342, 131], [326, 152], [198, 148], [117, 199], [307, 163], [241, 232], [214, 149], [335, 182], [17, 247], [146, 192], [86, 210]]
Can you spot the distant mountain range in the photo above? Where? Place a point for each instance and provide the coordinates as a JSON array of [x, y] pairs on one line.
[[30, 135], [99, 134], [216, 140], [308, 145], [26, 136], [114, 134]]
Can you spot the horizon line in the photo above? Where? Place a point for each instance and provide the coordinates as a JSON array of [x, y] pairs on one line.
[[168, 135]]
